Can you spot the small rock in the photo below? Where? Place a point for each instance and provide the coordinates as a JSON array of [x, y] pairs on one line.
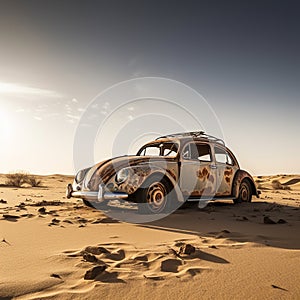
[[153, 277], [68, 221], [8, 216], [281, 221], [187, 249], [55, 221], [213, 247], [55, 276], [89, 257], [82, 220], [3, 201], [94, 272], [267, 220], [174, 252], [4, 241], [42, 210], [225, 231], [96, 250]]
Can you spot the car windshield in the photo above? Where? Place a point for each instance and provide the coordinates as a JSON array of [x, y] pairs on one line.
[[159, 149]]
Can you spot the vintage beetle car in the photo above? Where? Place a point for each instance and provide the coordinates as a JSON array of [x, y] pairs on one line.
[[165, 173]]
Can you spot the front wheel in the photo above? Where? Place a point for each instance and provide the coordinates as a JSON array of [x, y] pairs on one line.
[[152, 198], [245, 193], [95, 205]]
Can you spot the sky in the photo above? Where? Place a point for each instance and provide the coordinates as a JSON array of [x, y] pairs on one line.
[[242, 57]]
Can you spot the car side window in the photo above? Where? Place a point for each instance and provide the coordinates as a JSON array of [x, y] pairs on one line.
[[186, 153], [222, 156], [197, 152], [151, 151], [229, 159], [203, 152]]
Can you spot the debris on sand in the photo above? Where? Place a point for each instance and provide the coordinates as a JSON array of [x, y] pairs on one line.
[[10, 217], [278, 287], [3, 201], [281, 221], [213, 247], [187, 249], [94, 272], [96, 250], [6, 242], [90, 257], [42, 210], [268, 220], [47, 203], [55, 276], [54, 222]]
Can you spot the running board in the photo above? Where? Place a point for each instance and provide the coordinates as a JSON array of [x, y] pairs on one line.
[[209, 199]]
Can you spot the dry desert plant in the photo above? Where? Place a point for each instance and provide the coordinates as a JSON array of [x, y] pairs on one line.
[[278, 186], [33, 181], [19, 178]]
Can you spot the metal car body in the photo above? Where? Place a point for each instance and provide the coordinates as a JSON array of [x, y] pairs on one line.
[[195, 166]]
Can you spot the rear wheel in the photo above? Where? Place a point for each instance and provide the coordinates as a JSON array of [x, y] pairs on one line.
[[245, 192], [153, 197]]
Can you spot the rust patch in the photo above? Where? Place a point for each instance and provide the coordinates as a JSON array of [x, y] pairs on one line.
[[228, 172], [197, 193], [202, 174], [172, 173]]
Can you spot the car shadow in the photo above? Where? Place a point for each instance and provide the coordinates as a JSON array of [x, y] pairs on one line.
[[242, 223]]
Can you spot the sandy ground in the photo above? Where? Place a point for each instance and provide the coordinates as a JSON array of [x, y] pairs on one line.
[[54, 248]]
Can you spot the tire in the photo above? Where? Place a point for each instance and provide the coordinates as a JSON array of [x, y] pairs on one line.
[[97, 205], [87, 203], [245, 192], [152, 197]]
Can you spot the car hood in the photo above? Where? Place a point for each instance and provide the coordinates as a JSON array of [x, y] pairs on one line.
[[104, 170]]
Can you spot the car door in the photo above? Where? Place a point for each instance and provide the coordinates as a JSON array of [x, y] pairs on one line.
[[226, 168], [197, 176]]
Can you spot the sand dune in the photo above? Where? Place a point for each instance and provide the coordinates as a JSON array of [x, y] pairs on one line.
[[53, 248]]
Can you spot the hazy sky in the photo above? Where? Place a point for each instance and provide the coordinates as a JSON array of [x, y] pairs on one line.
[[241, 56]]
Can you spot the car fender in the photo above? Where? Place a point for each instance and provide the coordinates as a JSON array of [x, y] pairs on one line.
[[139, 174], [238, 178]]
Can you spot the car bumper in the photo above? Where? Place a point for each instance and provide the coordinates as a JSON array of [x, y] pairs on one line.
[[98, 196]]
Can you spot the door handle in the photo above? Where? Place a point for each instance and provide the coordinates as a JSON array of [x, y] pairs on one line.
[[213, 166]]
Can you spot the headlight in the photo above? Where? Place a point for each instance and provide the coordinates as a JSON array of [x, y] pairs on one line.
[[81, 174], [122, 175]]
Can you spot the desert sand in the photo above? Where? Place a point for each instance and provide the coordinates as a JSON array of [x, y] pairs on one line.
[[55, 248]]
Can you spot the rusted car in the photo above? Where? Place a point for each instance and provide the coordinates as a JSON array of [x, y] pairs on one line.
[[166, 173]]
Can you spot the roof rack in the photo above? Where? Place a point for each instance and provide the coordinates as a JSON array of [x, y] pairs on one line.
[[194, 134]]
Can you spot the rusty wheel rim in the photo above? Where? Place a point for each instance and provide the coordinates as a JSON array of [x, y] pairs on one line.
[[156, 197], [244, 192]]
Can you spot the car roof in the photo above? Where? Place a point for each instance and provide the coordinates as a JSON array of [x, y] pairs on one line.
[[193, 135]]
